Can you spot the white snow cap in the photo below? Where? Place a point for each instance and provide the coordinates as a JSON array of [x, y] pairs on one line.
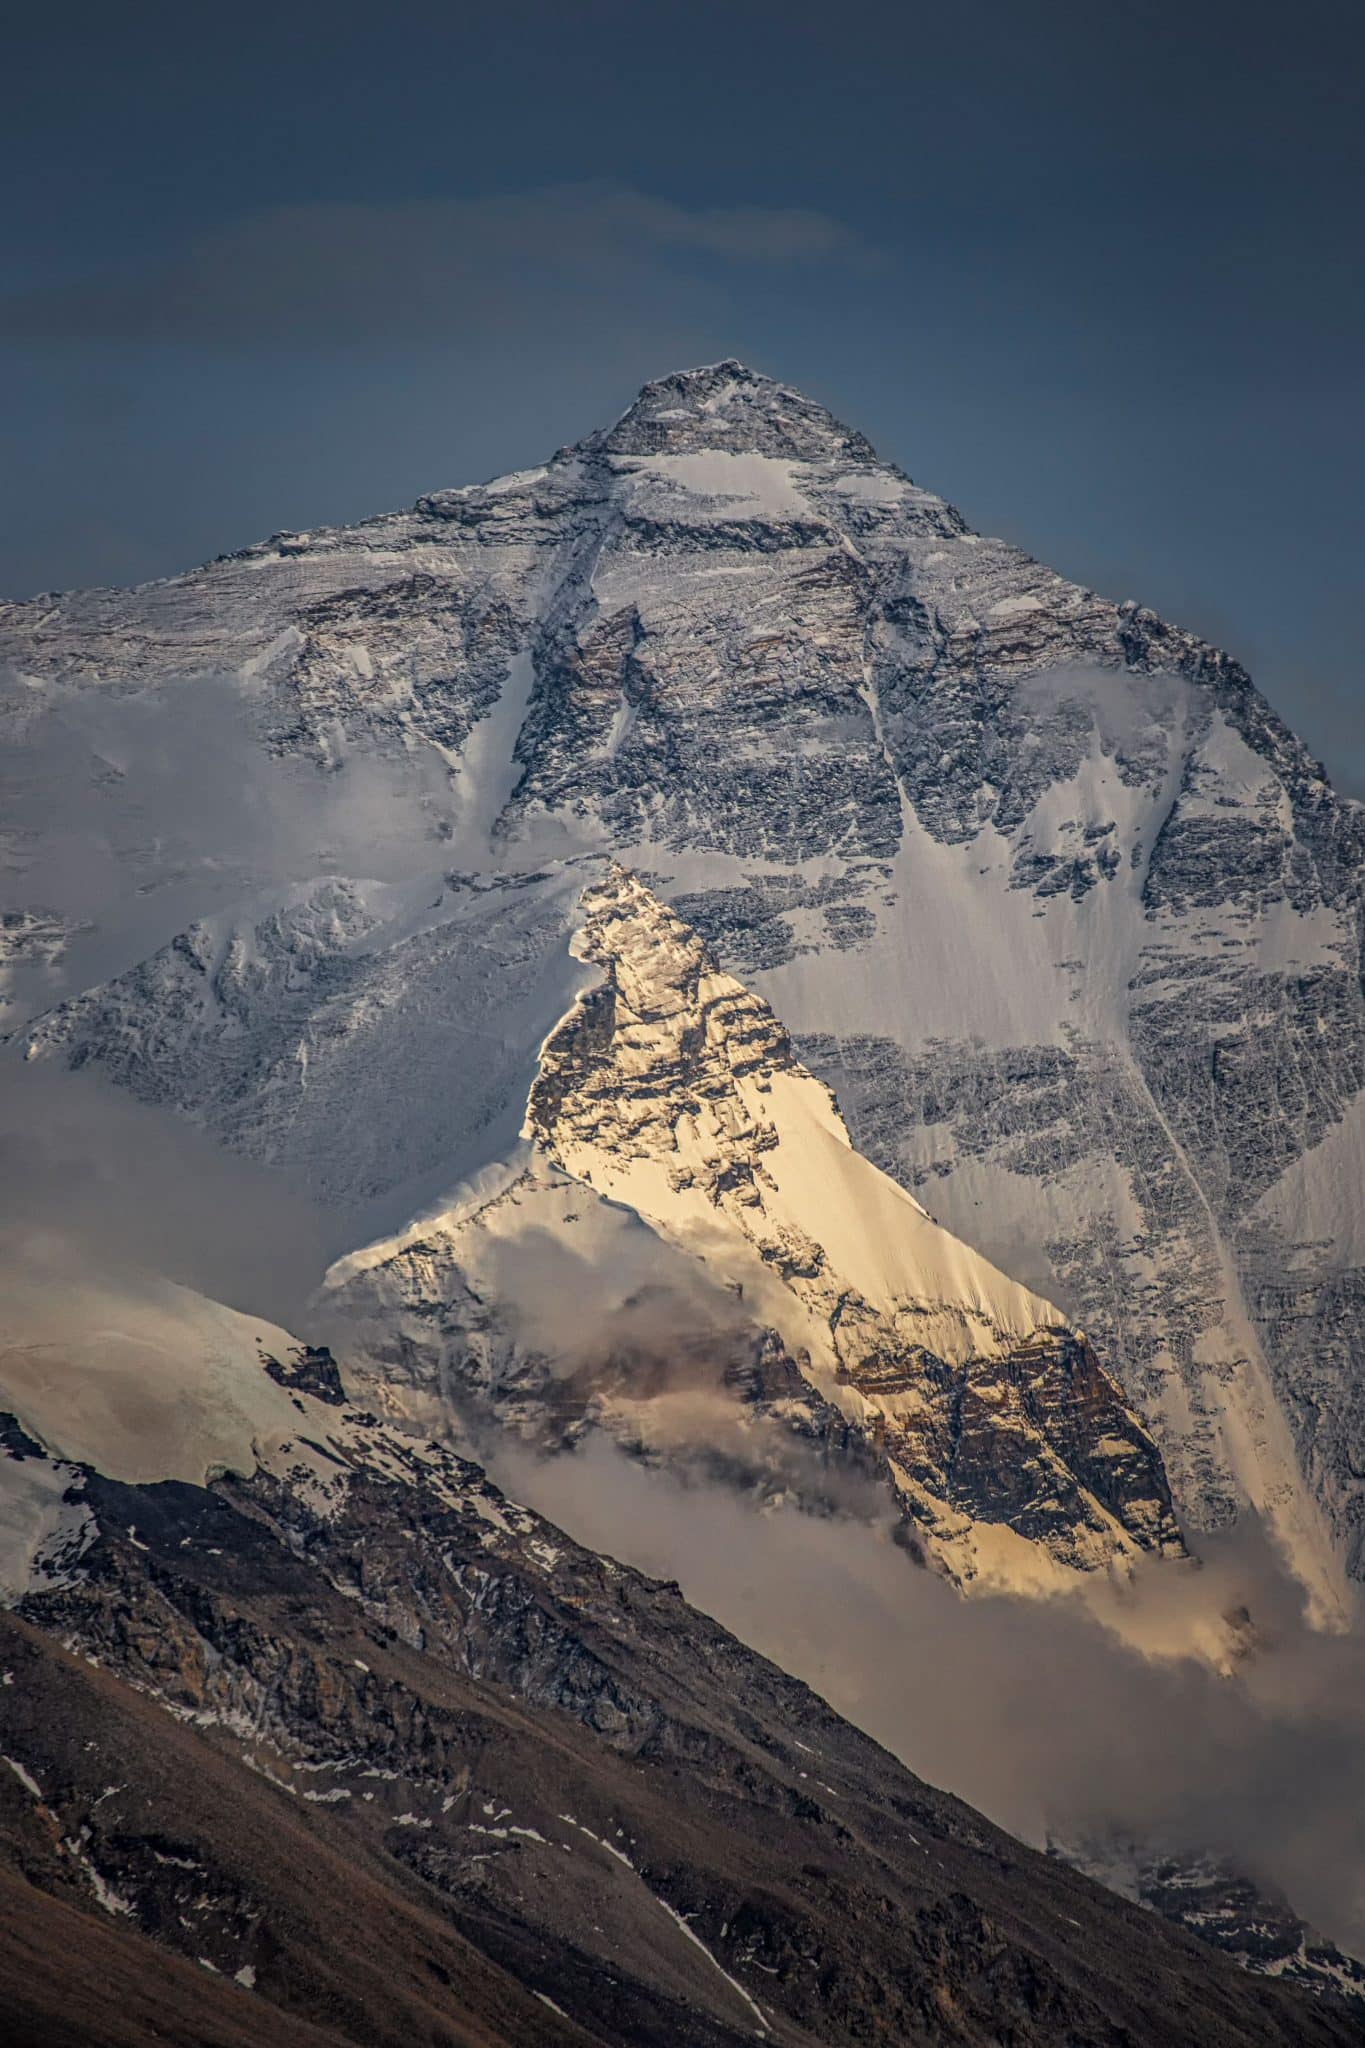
[[729, 407]]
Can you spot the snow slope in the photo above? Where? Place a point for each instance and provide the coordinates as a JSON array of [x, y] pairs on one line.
[[377, 1040], [141, 1378]]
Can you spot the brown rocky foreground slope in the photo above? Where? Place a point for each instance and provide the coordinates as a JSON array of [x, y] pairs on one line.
[[356, 1751]]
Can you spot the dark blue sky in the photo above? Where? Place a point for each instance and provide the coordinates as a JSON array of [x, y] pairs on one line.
[[1092, 271]]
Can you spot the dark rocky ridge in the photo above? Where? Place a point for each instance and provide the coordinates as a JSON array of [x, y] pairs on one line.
[[395, 1755]]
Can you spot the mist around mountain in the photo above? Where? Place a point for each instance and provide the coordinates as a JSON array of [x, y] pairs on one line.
[[824, 1057]]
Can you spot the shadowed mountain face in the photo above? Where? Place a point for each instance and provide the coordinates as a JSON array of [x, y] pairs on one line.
[[355, 1750]]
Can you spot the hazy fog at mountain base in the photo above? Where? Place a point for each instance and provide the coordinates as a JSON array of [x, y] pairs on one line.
[[1030, 1710], [94, 1181]]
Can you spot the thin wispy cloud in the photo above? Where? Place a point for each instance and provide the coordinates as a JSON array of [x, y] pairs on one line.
[[338, 275]]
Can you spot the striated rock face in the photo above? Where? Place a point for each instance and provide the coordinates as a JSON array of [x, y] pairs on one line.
[[1041, 886], [352, 1748]]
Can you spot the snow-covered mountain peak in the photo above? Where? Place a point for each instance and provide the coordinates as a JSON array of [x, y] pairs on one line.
[[1038, 882], [674, 1090], [746, 966], [727, 408]]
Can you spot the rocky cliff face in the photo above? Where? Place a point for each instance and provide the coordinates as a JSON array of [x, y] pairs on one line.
[[688, 1252], [1040, 885]]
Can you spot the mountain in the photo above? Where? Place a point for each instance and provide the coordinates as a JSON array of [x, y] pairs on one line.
[[667, 1097], [1041, 887], [744, 969]]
